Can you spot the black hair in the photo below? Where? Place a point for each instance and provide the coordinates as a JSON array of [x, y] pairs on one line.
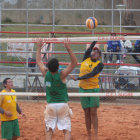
[[5, 81], [98, 50], [53, 65]]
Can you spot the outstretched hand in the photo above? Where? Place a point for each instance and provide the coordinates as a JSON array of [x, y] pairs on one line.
[[67, 43], [23, 115], [40, 43], [73, 77]]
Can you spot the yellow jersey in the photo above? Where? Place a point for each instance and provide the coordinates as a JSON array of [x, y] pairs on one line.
[[87, 66], [8, 103]]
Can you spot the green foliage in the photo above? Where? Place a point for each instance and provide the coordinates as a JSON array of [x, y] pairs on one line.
[[38, 21], [57, 21], [7, 20]]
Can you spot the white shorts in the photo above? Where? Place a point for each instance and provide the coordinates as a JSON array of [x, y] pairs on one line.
[[58, 114]]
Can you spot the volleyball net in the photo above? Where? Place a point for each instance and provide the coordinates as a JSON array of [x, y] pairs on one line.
[[103, 94], [17, 61], [72, 39]]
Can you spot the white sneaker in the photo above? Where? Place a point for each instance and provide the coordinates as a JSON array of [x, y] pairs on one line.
[[108, 62], [118, 61]]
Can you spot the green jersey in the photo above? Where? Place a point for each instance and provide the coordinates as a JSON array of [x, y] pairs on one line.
[[56, 90]]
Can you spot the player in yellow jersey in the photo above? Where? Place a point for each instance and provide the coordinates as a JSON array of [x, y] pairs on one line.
[[89, 82], [8, 112]]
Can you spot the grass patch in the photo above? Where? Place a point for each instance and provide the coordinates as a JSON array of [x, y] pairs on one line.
[[58, 47], [58, 29]]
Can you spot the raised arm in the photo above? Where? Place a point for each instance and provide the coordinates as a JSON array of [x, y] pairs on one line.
[[88, 51], [73, 63], [95, 71], [40, 63]]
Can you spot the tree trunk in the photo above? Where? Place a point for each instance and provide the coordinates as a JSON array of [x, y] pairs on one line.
[[128, 15]]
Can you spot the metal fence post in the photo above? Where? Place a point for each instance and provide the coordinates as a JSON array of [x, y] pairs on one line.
[[27, 45], [120, 20], [53, 14], [120, 8], [112, 15]]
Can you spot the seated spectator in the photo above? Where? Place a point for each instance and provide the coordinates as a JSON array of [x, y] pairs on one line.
[[114, 46], [126, 47], [136, 50], [32, 63]]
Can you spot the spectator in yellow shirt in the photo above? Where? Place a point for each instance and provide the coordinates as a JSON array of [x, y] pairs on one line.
[[8, 112]]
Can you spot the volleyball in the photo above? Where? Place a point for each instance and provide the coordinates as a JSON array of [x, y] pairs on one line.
[[91, 23]]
